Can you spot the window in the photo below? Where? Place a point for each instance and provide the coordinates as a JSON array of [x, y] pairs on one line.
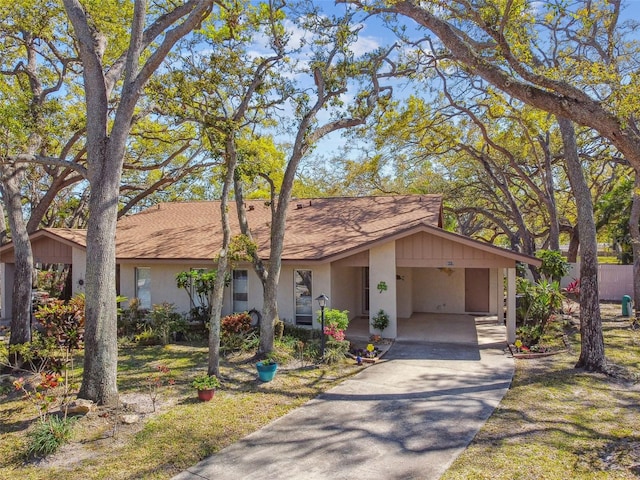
[[143, 286], [240, 291], [365, 290], [303, 297], [198, 299]]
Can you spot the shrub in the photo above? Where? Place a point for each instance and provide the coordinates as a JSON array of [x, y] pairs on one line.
[[52, 281], [40, 354], [236, 323], [380, 320], [530, 334], [300, 333], [335, 333], [537, 303], [243, 341], [131, 320], [554, 266], [336, 318], [335, 351], [199, 315], [199, 284], [147, 338], [63, 321], [48, 435], [164, 322], [236, 333]]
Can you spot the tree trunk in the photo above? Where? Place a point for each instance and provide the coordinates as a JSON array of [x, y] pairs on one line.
[[634, 233], [3, 225], [549, 198], [574, 244], [23, 274], [106, 143], [592, 342], [101, 336], [217, 296], [269, 289], [269, 309]]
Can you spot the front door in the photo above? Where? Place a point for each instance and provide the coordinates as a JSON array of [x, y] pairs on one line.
[[476, 290]]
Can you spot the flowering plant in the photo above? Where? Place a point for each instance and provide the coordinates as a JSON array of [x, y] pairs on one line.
[[573, 288], [205, 382], [522, 348], [156, 381], [334, 332], [43, 395]]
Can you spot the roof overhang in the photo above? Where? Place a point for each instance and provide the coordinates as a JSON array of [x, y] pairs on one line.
[[76, 238], [399, 234]]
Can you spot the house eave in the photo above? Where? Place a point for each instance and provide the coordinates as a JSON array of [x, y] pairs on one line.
[[514, 256]]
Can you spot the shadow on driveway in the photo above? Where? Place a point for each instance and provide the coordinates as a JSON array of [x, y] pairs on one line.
[[406, 417]]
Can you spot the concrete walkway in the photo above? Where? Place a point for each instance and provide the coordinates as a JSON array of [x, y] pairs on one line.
[[406, 417]]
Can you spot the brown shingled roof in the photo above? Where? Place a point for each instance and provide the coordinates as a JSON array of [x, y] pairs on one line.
[[76, 236], [316, 228]]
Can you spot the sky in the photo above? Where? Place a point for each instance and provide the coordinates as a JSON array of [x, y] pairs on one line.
[[374, 34]]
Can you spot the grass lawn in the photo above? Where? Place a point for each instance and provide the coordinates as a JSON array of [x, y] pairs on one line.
[[554, 423], [560, 423], [181, 432]]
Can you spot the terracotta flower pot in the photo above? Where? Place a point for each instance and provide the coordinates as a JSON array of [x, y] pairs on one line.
[[205, 395]]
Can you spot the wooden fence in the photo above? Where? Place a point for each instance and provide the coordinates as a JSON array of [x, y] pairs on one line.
[[614, 281]]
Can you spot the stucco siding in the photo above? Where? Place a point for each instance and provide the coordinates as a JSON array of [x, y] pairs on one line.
[[320, 283], [437, 290], [357, 260], [345, 290], [404, 288], [163, 286], [255, 293], [286, 308], [382, 268], [79, 258]]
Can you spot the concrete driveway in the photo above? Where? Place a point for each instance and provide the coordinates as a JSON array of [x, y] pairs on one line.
[[406, 417]]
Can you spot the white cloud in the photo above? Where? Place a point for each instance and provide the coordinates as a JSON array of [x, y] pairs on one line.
[[365, 44]]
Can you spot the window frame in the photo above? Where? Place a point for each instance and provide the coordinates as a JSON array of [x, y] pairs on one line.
[[302, 317], [233, 290], [147, 287]]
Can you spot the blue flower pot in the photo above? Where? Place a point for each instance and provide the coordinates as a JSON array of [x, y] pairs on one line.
[[266, 372]]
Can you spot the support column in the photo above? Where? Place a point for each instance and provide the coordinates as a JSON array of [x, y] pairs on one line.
[[382, 271], [511, 305], [500, 296]]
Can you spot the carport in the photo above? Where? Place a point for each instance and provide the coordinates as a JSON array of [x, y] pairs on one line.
[[426, 270], [445, 328]]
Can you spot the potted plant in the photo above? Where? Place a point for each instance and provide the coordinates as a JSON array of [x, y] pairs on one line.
[[267, 369], [206, 386], [380, 321]]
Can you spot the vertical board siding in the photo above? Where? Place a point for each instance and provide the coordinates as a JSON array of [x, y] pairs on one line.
[[614, 281], [437, 251]]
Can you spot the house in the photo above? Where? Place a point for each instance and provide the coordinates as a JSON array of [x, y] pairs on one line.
[[364, 253]]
